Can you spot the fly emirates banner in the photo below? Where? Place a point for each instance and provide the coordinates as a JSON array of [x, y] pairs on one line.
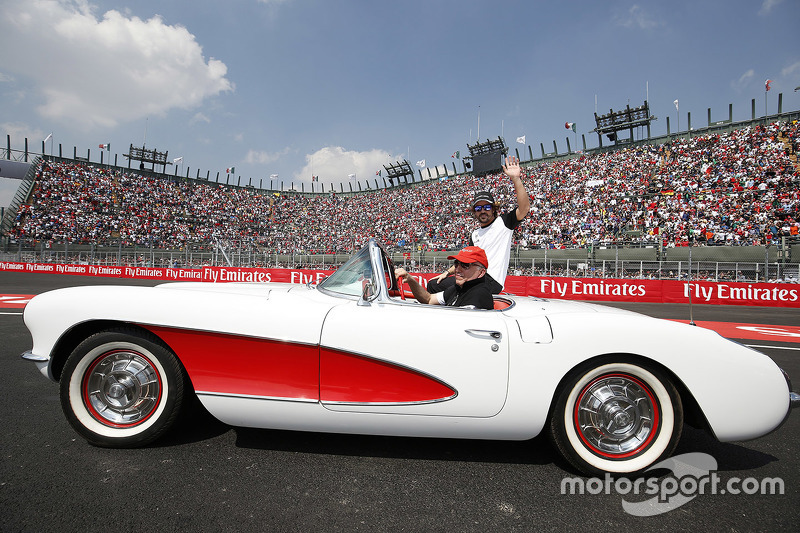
[[594, 289]]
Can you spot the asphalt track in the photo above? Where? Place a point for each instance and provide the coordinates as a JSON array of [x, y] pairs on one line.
[[205, 476]]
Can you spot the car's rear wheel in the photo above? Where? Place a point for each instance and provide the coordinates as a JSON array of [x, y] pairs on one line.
[[617, 417], [121, 388]]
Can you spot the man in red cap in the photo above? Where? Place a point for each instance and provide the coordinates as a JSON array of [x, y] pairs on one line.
[[470, 288]]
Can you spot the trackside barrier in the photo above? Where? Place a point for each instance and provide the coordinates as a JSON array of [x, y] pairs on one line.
[[594, 289]]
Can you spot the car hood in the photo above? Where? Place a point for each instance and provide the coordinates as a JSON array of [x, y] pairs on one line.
[[277, 311], [250, 289]]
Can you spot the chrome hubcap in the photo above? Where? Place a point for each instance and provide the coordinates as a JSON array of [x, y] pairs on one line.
[[122, 388], [616, 415]]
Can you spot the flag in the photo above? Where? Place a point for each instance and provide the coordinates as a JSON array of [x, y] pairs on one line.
[[314, 178], [378, 173], [676, 105], [766, 84], [421, 163], [177, 159], [456, 154], [230, 170], [521, 140], [570, 126], [352, 177], [106, 147], [50, 136], [273, 176]]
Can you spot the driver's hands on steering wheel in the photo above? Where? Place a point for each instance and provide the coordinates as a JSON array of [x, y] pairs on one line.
[[400, 272], [401, 275]]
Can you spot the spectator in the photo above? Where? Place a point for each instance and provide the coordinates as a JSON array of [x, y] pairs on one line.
[[728, 188]]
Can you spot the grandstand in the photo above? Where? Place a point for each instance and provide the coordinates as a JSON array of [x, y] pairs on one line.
[[730, 197]]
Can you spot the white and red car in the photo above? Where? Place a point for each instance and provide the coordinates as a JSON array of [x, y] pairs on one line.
[[611, 388]]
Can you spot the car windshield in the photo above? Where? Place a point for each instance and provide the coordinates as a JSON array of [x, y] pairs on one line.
[[351, 277]]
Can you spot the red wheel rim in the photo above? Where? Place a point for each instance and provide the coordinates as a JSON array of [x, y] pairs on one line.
[[121, 388], [617, 416]]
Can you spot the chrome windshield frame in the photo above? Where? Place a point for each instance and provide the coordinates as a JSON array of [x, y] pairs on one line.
[[376, 255]]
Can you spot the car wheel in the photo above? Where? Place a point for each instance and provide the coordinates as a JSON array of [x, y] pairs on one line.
[[121, 388], [618, 417]]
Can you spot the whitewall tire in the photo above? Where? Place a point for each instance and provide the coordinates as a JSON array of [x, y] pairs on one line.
[[616, 416], [121, 388]]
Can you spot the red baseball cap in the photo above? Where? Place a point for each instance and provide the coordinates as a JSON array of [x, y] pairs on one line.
[[471, 254]]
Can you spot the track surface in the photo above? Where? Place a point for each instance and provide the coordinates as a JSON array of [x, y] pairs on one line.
[[206, 476]]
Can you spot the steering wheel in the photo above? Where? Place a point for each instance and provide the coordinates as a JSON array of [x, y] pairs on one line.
[[400, 287]]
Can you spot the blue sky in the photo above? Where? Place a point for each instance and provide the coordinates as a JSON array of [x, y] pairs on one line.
[[338, 87]]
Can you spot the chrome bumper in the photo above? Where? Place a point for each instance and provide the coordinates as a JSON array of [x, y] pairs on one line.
[[29, 356], [42, 363], [794, 398]]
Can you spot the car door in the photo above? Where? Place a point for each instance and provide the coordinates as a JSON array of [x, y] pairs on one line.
[[406, 358]]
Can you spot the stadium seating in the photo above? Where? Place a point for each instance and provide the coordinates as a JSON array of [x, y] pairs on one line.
[[736, 188]]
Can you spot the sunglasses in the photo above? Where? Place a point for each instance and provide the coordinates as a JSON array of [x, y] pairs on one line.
[[465, 266], [486, 207]]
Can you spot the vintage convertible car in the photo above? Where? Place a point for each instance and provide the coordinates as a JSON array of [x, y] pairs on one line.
[[611, 388]]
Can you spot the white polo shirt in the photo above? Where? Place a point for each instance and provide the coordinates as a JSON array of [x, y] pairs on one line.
[[495, 239]]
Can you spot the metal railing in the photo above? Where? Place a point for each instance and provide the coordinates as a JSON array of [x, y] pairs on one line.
[[713, 263]]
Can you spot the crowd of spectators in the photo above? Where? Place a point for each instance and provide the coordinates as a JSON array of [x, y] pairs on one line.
[[736, 188]]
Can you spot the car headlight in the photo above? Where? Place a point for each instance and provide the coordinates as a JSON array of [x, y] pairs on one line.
[[794, 398]]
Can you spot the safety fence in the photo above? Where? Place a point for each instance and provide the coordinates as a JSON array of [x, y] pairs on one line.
[[612, 290], [711, 263]]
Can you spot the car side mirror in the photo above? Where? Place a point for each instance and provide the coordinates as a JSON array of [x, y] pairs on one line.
[[368, 293]]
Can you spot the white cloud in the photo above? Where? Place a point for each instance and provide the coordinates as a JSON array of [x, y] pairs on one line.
[[103, 71], [636, 17], [743, 80], [333, 164], [14, 97], [767, 6], [19, 132], [792, 69], [199, 117], [260, 157]]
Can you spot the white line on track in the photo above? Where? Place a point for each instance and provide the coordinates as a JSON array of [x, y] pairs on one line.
[[2, 313], [772, 347]]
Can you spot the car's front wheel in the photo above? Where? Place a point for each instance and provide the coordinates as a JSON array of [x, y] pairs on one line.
[[617, 417], [121, 388]]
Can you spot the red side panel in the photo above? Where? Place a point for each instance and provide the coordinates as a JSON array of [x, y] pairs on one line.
[[351, 378], [231, 364]]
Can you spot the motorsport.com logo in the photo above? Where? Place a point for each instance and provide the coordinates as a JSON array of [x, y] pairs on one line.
[[693, 474]]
